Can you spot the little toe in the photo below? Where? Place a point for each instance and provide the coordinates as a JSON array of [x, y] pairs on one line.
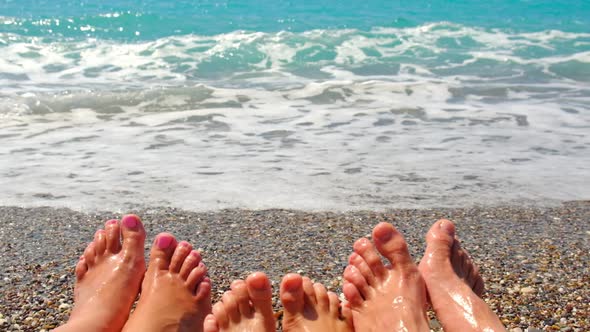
[[333, 304], [291, 293], [100, 242], [260, 292], [162, 251], [90, 254], [210, 324], [365, 249], [182, 250], [133, 235], [204, 292], [196, 276], [321, 295], [113, 236], [392, 245], [190, 262], [81, 268], [240, 289]]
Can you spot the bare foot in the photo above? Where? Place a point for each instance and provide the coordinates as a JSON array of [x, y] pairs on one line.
[[108, 277], [454, 284], [246, 307], [385, 298], [310, 307], [176, 293]]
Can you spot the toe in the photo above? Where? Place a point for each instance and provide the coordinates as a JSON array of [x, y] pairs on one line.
[[182, 250], [260, 292], [133, 237], [309, 291], [162, 251], [196, 276], [113, 236], [203, 293], [90, 254], [220, 315], [231, 306], [190, 262], [240, 289], [440, 240], [352, 294], [291, 293], [365, 249], [81, 268], [210, 324], [354, 276], [321, 295], [391, 244], [479, 288], [100, 242], [333, 304], [363, 267]]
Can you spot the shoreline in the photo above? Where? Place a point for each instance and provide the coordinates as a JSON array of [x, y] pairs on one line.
[[534, 260]]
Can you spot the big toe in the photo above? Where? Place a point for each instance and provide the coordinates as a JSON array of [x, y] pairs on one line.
[[162, 250], [439, 241], [133, 235], [392, 245], [291, 293]]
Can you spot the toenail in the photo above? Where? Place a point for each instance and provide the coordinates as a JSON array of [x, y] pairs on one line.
[[112, 222], [384, 235], [129, 221], [447, 226], [164, 241]]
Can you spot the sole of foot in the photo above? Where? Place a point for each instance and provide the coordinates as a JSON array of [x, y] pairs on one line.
[[385, 298], [108, 277], [310, 307], [247, 306], [175, 293], [454, 284]]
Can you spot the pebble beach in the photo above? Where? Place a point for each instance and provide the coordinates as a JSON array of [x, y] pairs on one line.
[[534, 260]]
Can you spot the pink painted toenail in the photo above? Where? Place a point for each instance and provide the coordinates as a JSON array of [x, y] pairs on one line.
[[164, 241], [130, 221], [112, 222]]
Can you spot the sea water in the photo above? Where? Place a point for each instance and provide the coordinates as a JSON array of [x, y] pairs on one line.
[[312, 105]]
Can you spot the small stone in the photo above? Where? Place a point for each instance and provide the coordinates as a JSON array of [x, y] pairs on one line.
[[516, 329], [64, 306], [527, 290], [434, 324]]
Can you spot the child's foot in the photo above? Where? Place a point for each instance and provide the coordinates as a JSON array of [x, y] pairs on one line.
[[246, 307], [385, 298], [176, 293], [108, 277], [454, 284], [310, 307]]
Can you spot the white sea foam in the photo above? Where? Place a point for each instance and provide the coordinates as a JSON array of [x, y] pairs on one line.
[[316, 120]]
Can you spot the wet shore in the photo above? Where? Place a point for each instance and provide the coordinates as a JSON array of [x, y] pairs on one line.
[[535, 261]]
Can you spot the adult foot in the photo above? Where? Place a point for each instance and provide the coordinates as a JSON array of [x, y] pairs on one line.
[[454, 284], [385, 298], [246, 307], [175, 293], [108, 277], [310, 307]]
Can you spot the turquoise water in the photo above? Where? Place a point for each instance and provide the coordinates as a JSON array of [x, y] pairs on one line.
[[313, 105]]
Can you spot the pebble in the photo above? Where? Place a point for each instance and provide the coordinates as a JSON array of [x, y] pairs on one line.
[[524, 250]]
